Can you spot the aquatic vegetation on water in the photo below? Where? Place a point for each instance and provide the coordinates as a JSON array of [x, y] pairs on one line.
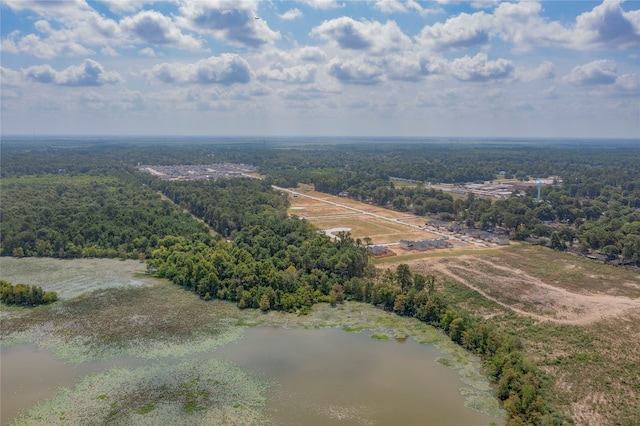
[[356, 317], [161, 320], [380, 336], [189, 392], [145, 322]]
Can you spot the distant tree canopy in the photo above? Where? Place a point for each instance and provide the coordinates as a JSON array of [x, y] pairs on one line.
[[596, 206], [25, 295], [87, 216]]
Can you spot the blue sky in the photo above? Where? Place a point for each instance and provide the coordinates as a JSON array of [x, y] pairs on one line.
[[321, 67]]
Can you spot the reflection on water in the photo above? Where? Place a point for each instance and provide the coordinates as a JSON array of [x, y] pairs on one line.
[[320, 377]]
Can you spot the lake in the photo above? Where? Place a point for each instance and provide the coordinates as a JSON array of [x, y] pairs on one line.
[[284, 370], [317, 377]]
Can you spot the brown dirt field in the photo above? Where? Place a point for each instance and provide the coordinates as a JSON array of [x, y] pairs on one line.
[[379, 230], [356, 204], [444, 252], [572, 273], [578, 319], [305, 202], [527, 292], [413, 220], [382, 225], [315, 211]]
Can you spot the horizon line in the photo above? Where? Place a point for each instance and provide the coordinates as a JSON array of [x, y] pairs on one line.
[[177, 135]]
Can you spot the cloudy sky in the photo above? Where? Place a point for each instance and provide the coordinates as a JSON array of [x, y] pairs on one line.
[[321, 67]]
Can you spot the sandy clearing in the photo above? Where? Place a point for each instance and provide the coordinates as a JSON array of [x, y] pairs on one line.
[[527, 295]]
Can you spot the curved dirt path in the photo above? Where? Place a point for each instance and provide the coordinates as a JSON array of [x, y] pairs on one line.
[[565, 307]]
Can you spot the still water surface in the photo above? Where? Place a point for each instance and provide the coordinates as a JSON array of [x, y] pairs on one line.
[[319, 376], [329, 376]]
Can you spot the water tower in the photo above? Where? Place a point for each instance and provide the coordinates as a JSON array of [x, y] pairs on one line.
[[539, 185]]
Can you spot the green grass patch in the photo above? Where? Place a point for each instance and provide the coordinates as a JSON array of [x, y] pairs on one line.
[[380, 336], [446, 362], [146, 409]]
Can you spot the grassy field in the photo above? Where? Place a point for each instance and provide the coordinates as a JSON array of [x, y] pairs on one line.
[[379, 230], [579, 319], [321, 211], [306, 190], [328, 211]]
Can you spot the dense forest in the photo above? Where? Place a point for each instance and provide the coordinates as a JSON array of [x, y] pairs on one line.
[[90, 201], [87, 216], [595, 208]]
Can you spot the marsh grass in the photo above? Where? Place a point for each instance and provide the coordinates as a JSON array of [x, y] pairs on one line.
[[72, 277], [146, 322], [380, 336]]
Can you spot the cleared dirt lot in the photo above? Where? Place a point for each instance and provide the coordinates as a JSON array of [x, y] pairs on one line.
[[530, 281], [382, 226], [520, 280], [379, 230], [321, 211], [578, 319], [321, 198]]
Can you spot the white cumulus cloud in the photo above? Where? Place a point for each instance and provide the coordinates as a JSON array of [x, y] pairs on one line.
[[459, 32], [301, 74], [68, 29], [598, 72], [310, 54], [291, 14], [545, 70], [321, 4], [372, 36], [147, 51], [356, 71], [235, 22], [90, 73], [480, 68], [397, 6], [608, 25], [521, 24], [153, 27], [226, 69]]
